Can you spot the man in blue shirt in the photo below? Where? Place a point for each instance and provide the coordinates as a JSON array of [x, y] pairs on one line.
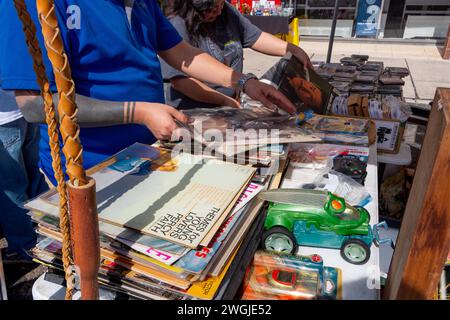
[[113, 48]]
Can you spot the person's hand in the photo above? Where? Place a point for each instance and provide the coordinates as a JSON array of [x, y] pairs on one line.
[[302, 56], [268, 95], [160, 119]]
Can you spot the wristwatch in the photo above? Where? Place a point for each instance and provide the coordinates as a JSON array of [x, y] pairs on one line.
[[243, 80]]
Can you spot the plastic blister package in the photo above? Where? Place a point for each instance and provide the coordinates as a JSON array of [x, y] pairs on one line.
[[320, 156], [311, 156], [286, 277], [340, 105], [399, 109]]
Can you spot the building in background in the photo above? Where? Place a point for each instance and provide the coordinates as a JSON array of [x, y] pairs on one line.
[[409, 19], [399, 19]]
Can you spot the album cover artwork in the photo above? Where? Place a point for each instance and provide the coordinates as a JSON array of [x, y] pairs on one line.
[[305, 88]]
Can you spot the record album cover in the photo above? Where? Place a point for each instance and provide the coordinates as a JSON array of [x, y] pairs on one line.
[[305, 88]]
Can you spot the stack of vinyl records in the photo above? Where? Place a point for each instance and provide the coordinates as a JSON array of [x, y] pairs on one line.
[[172, 225]]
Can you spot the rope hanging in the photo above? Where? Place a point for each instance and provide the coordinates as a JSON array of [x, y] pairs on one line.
[[67, 109], [52, 129]]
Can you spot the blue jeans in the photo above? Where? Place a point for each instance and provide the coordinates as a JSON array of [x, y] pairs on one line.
[[20, 180]]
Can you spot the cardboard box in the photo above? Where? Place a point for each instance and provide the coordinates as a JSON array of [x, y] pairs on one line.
[[389, 135], [365, 106], [389, 132]]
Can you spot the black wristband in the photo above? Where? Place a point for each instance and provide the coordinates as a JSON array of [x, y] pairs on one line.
[[243, 80]]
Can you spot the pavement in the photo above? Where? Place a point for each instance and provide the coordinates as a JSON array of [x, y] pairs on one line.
[[428, 70], [19, 276]]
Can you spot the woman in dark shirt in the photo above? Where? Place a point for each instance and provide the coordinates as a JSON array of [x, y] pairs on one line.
[[217, 28]]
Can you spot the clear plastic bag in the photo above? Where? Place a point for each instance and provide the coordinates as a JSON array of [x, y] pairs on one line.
[[399, 109], [343, 186]]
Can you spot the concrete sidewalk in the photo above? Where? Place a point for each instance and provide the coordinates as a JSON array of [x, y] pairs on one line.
[[428, 70]]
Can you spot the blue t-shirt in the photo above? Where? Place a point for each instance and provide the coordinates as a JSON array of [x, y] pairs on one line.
[[113, 56]]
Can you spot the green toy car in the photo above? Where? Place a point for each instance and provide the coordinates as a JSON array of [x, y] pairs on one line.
[[319, 219]]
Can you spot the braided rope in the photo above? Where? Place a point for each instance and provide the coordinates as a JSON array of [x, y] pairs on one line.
[[52, 128], [67, 108]]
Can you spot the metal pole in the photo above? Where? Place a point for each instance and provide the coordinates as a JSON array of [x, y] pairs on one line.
[[443, 287], [333, 30]]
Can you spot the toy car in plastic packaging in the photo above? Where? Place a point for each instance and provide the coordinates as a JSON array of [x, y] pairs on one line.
[[286, 277]]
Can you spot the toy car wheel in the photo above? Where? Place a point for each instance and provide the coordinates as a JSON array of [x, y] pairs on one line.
[[280, 240], [355, 251]]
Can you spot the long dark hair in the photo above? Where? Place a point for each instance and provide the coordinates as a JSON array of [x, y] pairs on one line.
[[191, 12]]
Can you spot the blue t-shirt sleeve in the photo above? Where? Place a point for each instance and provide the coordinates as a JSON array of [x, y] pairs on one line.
[[167, 36], [15, 60]]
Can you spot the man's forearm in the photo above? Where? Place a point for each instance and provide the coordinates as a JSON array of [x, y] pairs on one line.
[[200, 65], [91, 112]]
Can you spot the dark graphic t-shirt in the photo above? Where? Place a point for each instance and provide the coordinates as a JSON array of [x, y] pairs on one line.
[[232, 33]]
